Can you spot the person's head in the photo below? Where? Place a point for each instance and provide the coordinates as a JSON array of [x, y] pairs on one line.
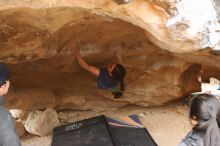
[[205, 118], [4, 79], [118, 72]]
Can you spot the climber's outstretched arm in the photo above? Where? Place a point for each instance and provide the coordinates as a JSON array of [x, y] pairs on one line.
[[94, 70]]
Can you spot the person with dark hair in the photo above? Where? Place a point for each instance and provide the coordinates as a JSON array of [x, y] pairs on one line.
[[8, 136], [108, 77], [205, 119]]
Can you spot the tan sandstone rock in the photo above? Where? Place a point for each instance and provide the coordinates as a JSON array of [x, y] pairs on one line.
[[41, 122], [163, 58]]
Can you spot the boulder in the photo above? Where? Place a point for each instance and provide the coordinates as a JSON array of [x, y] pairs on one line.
[[41, 122]]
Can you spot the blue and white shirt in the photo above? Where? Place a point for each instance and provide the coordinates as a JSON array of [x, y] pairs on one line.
[[8, 136], [192, 139]]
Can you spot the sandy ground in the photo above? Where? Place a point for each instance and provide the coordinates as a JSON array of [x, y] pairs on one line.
[[167, 124]]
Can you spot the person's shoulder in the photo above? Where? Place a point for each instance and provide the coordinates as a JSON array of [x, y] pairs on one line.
[[198, 138], [4, 114], [192, 139], [3, 109], [182, 144]]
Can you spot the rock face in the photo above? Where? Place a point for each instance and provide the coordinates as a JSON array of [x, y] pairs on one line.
[[192, 23], [158, 42], [41, 122]]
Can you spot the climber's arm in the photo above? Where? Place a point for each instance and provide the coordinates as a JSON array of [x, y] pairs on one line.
[[94, 70]]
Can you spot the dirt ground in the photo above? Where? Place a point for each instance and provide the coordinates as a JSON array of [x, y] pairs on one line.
[[167, 124]]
